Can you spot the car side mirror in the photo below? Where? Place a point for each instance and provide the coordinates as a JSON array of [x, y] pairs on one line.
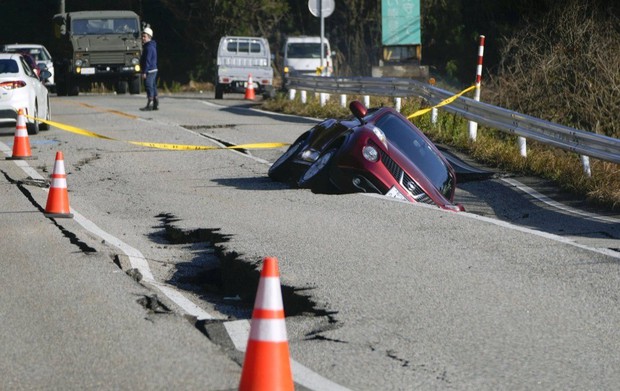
[[359, 110], [45, 74]]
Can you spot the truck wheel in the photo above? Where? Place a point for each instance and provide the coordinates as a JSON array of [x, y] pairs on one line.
[[121, 87], [219, 91], [61, 89], [134, 86], [73, 88], [269, 92]]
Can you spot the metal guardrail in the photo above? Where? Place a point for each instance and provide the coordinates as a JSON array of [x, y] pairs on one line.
[[560, 136]]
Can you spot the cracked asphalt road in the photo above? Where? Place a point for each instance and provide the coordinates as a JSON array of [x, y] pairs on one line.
[[415, 296]]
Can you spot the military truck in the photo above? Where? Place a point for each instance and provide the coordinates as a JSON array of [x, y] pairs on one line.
[[97, 47]]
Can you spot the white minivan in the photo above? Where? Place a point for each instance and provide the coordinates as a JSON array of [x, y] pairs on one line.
[[302, 56]]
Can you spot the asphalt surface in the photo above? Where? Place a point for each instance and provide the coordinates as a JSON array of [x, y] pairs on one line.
[[403, 296], [72, 319]]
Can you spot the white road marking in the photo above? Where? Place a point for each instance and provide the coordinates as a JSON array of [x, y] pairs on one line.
[[238, 331], [543, 198]]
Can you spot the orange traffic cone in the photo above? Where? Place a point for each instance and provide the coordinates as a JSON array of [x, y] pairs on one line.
[[58, 197], [21, 143], [249, 89], [267, 365]]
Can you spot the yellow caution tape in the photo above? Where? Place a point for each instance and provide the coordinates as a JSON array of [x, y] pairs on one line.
[[442, 103], [181, 147], [185, 147]]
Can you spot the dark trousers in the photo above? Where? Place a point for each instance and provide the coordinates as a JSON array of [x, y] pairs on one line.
[[150, 85]]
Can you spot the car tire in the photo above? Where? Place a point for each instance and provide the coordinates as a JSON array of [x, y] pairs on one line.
[[316, 177], [281, 170], [48, 117], [33, 127]]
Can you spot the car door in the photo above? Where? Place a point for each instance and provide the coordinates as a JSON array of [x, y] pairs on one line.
[[38, 92]]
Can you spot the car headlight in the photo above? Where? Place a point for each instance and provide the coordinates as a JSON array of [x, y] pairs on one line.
[[135, 61], [370, 153], [78, 62], [310, 155], [380, 135]]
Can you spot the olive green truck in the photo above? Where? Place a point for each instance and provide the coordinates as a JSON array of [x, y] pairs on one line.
[[97, 47]]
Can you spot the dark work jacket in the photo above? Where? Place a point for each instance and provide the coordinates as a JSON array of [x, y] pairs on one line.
[[148, 61]]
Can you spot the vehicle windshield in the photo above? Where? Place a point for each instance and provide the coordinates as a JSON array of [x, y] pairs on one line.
[[418, 150], [305, 50], [8, 66], [37, 53], [101, 26]]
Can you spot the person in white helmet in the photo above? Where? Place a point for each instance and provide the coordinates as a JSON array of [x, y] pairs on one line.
[[148, 63]]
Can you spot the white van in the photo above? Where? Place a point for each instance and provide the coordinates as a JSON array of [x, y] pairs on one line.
[[237, 59], [302, 56]]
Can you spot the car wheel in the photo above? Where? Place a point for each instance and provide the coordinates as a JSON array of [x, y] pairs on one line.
[[280, 170], [33, 127], [316, 177], [48, 117]]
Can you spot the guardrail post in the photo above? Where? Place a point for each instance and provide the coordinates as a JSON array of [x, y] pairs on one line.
[[304, 97], [434, 116], [291, 94], [522, 146], [473, 126], [367, 100], [343, 100], [397, 104], [322, 98], [585, 162]]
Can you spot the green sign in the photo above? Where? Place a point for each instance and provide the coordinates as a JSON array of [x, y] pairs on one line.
[[400, 22]]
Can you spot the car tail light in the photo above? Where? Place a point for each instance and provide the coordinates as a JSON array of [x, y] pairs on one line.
[[12, 85]]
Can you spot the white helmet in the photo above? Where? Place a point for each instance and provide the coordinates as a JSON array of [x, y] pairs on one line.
[[148, 31]]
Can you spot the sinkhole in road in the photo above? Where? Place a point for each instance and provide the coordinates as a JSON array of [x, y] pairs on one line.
[[217, 274]]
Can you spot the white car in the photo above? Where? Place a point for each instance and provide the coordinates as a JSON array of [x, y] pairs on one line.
[[40, 55], [21, 88]]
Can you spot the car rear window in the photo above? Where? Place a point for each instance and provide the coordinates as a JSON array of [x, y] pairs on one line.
[[410, 143], [243, 47], [37, 53], [8, 66]]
